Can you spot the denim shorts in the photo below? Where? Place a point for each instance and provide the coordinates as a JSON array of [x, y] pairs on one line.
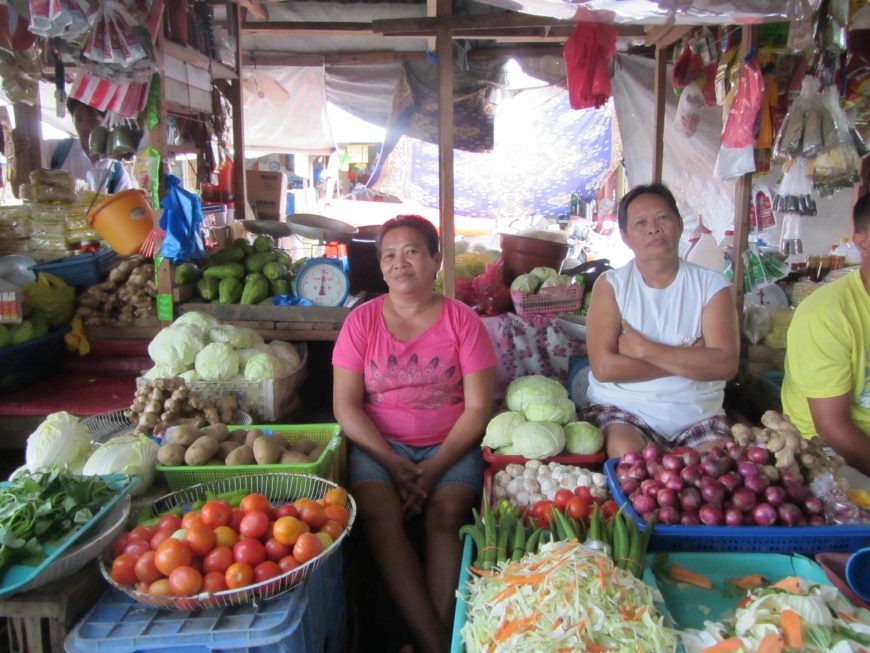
[[467, 471]]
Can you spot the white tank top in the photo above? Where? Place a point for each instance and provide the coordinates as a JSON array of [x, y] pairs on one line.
[[671, 316]]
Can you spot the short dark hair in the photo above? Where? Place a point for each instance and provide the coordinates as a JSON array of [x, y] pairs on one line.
[[72, 104], [861, 213], [648, 189], [417, 222]]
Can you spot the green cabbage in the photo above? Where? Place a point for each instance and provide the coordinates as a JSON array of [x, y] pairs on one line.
[[176, 347], [499, 431], [246, 354], [127, 454], [528, 390], [217, 362], [524, 283], [542, 274], [60, 441], [583, 438], [163, 372], [539, 439], [202, 320], [286, 352], [556, 280], [508, 450], [235, 337], [560, 411], [264, 367], [190, 376]]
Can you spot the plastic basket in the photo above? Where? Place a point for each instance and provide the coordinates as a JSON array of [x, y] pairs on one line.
[[25, 364], [278, 488], [460, 611], [326, 435], [308, 620], [592, 461], [106, 426], [81, 269], [763, 539], [548, 301]]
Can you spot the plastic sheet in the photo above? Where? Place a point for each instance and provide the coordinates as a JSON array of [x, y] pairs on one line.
[[181, 220]]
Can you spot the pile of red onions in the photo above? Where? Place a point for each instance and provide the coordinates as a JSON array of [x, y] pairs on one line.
[[726, 486]]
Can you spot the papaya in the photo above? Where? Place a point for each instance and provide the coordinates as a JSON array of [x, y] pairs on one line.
[[225, 271], [255, 290], [281, 287], [244, 245], [187, 273], [207, 287], [256, 262], [263, 244], [228, 255], [275, 270], [230, 291]]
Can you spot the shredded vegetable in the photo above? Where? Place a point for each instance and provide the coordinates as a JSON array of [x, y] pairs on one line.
[[565, 598]]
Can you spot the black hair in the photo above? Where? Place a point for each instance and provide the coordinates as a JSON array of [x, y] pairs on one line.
[[648, 189], [861, 213], [420, 224]]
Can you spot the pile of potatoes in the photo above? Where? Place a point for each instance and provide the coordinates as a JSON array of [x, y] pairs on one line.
[[217, 445]]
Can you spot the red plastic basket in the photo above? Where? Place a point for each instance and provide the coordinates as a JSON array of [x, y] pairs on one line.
[[593, 461], [548, 301]]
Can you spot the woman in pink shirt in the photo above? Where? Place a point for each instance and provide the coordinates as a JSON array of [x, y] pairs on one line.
[[414, 377]]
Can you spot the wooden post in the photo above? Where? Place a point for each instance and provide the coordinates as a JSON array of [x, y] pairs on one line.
[[661, 78], [157, 134], [29, 124], [444, 50], [240, 190], [742, 198]]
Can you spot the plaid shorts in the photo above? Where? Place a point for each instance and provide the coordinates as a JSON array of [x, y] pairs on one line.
[[712, 428]]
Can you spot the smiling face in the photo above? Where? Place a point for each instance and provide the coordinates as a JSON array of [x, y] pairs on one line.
[[406, 264], [652, 229]]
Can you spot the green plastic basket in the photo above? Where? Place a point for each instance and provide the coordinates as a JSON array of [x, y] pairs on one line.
[[326, 435]]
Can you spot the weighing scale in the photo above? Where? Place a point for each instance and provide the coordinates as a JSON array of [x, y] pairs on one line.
[[322, 280]]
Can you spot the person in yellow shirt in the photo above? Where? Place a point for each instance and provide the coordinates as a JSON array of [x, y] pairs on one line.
[[826, 390]]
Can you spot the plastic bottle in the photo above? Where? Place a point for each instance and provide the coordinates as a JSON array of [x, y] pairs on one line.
[[225, 177], [707, 253], [727, 246]]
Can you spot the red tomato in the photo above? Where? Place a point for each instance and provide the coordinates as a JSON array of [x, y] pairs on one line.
[[337, 513], [288, 529], [324, 538], [216, 513], [137, 547], [542, 513], [337, 496], [577, 508], [143, 533], [257, 502], [124, 569], [238, 575], [189, 518], [120, 544], [146, 570], [200, 538], [609, 508], [561, 498], [236, 519], [218, 559], [160, 587], [158, 538], [287, 510], [184, 581], [307, 547], [311, 512], [266, 570], [169, 523], [250, 551], [171, 554], [288, 563], [225, 536], [142, 587], [333, 529], [584, 493], [196, 563], [275, 550], [254, 524], [214, 581]]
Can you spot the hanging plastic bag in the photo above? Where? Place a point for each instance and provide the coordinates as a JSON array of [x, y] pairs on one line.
[[587, 55], [736, 156], [181, 220], [837, 166], [52, 297], [687, 67], [688, 113], [795, 193]]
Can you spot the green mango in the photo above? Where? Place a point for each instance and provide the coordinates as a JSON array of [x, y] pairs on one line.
[[225, 271], [255, 290], [256, 262], [22, 333], [228, 255], [263, 244], [229, 291], [244, 245], [40, 325], [186, 273], [281, 287], [207, 287], [5, 336]]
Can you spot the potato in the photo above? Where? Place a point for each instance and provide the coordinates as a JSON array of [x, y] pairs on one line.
[[294, 458], [315, 453], [201, 451], [171, 455], [185, 435], [266, 451], [252, 436], [242, 455], [218, 431], [239, 435], [215, 461], [305, 445], [227, 447]]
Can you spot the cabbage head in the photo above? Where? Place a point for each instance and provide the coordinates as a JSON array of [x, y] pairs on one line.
[[555, 281], [217, 362], [583, 438], [528, 390], [539, 439], [560, 411], [524, 283], [190, 376], [264, 367], [176, 347], [163, 372], [246, 354], [499, 431], [60, 441], [286, 352], [235, 337], [542, 274], [508, 450], [127, 454], [202, 320]]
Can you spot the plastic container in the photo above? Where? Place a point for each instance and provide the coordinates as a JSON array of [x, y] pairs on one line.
[[707, 253], [764, 539], [326, 435], [522, 254], [858, 573], [124, 220], [593, 461], [548, 301], [81, 269], [25, 364], [727, 246], [310, 619]]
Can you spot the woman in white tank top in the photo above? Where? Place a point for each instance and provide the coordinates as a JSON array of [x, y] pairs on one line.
[[661, 335]]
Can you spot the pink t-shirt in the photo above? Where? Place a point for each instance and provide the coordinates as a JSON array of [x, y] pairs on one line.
[[413, 389]]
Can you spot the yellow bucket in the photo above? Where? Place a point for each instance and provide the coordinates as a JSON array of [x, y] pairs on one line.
[[124, 220]]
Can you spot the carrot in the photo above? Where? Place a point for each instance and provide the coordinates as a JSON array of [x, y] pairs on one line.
[[790, 624], [527, 579], [845, 616], [683, 575], [748, 582], [597, 648], [791, 584], [725, 646], [505, 593], [516, 626], [770, 643], [481, 572]]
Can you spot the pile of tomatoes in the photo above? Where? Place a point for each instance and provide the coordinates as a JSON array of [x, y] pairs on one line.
[[577, 505], [219, 547]]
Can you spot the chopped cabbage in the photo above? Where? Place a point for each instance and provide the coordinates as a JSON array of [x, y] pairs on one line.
[[583, 438], [264, 367], [528, 390], [202, 320], [127, 454], [60, 441], [176, 347], [499, 431], [235, 337], [560, 411], [286, 352], [217, 362], [539, 439]]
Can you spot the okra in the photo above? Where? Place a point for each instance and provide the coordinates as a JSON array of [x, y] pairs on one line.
[[519, 544]]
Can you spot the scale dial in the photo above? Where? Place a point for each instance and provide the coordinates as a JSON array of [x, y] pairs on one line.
[[323, 282]]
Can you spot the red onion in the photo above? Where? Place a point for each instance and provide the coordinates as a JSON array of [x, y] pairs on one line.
[[691, 475], [690, 499], [666, 497], [789, 513], [817, 520], [758, 455], [764, 514], [622, 472], [651, 488], [748, 519], [775, 495], [632, 458], [675, 483], [713, 492], [710, 515], [666, 475], [629, 486], [718, 451], [735, 452], [689, 455], [669, 515], [757, 484], [642, 504], [797, 492], [733, 517], [652, 514], [650, 452], [731, 481], [652, 466], [791, 477], [713, 466], [746, 469], [672, 461], [813, 506], [690, 519], [744, 499], [638, 472]]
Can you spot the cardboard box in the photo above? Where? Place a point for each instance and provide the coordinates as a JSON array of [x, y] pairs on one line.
[[267, 194]]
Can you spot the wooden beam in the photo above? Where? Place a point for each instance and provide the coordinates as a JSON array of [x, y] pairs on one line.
[[29, 124], [257, 10], [444, 50], [198, 59], [667, 35], [237, 101], [544, 50], [494, 21], [306, 28], [330, 58], [660, 89]]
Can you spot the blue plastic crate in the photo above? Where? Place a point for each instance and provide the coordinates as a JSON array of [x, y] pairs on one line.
[[309, 619], [461, 610], [763, 539], [25, 364], [81, 269]]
